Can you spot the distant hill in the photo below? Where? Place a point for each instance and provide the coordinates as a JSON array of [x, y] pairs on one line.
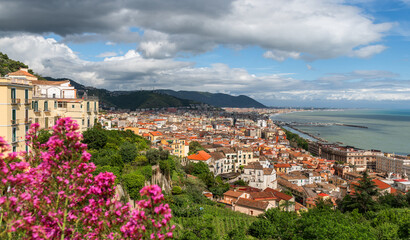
[[142, 99], [216, 99], [128, 99]]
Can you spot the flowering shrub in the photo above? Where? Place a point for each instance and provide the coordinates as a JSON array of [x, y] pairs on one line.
[[50, 193]]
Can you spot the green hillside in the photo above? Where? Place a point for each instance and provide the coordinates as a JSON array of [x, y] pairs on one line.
[[216, 99], [8, 65]]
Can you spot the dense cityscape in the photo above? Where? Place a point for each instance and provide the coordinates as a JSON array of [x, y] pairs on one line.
[[238, 158], [193, 119]]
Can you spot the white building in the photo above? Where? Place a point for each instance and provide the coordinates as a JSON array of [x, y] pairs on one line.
[[258, 177]]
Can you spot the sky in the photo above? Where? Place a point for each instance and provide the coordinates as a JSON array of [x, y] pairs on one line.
[[316, 53]]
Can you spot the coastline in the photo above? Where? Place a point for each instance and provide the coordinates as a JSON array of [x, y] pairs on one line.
[[365, 127]]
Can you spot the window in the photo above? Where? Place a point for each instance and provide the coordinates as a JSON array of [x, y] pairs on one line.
[[88, 106], [14, 135], [45, 105], [14, 148], [55, 104], [46, 122], [13, 93], [26, 94], [26, 115], [13, 115], [95, 105], [27, 127], [73, 106], [35, 106]]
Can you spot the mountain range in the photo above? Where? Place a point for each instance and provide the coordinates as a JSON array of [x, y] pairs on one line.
[[143, 99]]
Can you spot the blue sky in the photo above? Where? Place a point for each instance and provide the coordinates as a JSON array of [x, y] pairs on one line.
[[324, 53]]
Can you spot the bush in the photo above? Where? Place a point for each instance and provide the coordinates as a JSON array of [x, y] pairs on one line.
[[176, 190], [133, 182]]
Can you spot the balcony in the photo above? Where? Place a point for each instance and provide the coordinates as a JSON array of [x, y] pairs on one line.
[[27, 121], [38, 110], [15, 122], [15, 101], [27, 101], [47, 110]]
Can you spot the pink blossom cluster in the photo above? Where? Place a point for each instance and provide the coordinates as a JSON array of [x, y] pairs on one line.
[[50, 193]]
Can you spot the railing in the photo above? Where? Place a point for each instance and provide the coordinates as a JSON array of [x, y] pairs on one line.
[[20, 81], [27, 101], [14, 122], [37, 110], [47, 110], [15, 101], [27, 121]]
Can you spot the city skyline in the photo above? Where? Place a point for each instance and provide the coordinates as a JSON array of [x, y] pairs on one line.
[[282, 53]]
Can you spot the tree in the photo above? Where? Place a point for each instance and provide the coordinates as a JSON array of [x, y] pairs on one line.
[[194, 147], [363, 198], [128, 152], [43, 136], [270, 225], [286, 204], [95, 138], [324, 204], [153, 156]]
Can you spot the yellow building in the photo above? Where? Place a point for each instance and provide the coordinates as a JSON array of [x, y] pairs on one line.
[[25, 100], [15, 109], [179, 147]]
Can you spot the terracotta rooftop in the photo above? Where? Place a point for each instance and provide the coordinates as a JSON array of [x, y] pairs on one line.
[[200, 156], [41, 82], [258, 196], [259, 205], [217, 155], [268, 171], [278, 194], [234, 194], [380, 184], [282, 165], [156, 133], [21, 73]]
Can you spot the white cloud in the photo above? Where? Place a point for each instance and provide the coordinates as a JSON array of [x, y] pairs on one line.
[[134, 71], [284, 28], [368, 51], [106, 54], [281, 56]]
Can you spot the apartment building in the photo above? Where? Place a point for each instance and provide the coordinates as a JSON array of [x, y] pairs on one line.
[[360, 159], [24, 100], [15, 107], [390, 163]]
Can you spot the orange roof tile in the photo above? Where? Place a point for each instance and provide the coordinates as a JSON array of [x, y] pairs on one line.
[[21, 73], [200, 156], [380, 184]]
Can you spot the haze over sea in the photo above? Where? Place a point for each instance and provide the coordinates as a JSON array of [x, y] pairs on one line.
[[387, 130]]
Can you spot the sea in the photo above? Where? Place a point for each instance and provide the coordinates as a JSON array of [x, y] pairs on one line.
[[385, 130]]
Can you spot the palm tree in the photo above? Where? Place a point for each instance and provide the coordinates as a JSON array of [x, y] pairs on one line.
[[286, 204]]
